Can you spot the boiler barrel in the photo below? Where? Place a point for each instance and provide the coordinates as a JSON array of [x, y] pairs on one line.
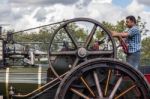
[[21, 80]]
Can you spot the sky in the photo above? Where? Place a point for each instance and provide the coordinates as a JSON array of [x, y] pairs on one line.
[[24, 14]]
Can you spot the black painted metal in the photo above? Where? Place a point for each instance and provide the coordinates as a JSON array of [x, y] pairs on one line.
[[61, 54], [102, 66]]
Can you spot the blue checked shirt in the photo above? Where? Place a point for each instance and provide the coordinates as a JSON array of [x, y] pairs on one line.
[[134, 39]]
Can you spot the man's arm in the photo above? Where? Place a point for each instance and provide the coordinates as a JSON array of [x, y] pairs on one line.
[[122, 34]]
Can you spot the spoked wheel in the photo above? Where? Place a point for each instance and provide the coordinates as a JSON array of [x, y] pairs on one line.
[[103, 79], [79, 40]]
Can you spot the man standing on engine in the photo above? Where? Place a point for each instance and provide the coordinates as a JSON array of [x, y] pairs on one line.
[[133, 37]]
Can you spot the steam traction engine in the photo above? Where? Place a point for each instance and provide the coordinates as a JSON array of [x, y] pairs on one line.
[[83, 64]]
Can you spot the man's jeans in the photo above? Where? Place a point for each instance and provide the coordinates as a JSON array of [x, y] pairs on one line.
[[134, 59]]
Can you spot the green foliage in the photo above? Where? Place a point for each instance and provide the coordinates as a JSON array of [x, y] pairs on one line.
[[119, 27], [145, 59], [108, 25], [145, 47], [142, 26], [78, 32], [42, 35]]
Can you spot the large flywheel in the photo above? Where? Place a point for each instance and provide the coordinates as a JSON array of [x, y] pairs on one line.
[[79, 40], [103, 79]]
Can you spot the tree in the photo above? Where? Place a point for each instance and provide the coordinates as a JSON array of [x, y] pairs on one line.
[[145, 59], [142, 26], [145, 53]]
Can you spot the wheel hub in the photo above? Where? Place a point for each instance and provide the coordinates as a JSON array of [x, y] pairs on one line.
[[82, 52]]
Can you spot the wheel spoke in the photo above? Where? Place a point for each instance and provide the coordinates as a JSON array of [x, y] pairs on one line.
[[107, 82], [90, 36], [75, 62], [79, 93], [71, 37], [125, 91], [87, 86], [62, 53], [101, 52], [115, 88], [97, 84]]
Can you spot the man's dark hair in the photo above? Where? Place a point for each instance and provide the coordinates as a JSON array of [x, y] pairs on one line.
[[132, 18]]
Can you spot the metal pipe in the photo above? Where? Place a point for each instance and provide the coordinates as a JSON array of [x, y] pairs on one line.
[[0, 31]]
